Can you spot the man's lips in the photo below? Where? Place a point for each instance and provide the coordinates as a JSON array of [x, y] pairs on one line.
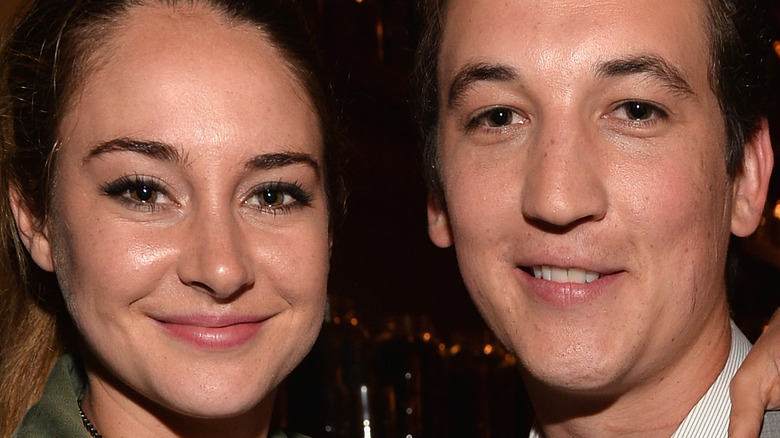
[[565, 275], [567, 286], [558, 274]]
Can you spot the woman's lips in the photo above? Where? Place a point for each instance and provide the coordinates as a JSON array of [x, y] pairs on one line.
[[212, 333]]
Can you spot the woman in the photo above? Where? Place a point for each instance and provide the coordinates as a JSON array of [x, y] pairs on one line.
[[167, 167]]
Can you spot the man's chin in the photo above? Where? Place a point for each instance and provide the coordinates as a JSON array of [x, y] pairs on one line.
[[571, 376]]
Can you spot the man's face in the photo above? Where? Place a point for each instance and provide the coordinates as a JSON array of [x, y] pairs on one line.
[[582, 155]]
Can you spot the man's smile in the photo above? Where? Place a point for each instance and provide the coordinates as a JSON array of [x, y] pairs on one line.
[[565, 275]]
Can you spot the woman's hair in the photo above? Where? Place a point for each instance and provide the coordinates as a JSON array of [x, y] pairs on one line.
[[45, 60]]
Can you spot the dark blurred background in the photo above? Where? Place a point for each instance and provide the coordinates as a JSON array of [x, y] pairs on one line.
[[383, 262], [404, 353]]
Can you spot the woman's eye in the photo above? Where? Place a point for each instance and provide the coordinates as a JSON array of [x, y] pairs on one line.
[[137, 191], [274, 198], [143, 194], [279, 196], [497, 117], [638, 111]]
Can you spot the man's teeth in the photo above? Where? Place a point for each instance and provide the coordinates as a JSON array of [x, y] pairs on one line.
[[561, 275]]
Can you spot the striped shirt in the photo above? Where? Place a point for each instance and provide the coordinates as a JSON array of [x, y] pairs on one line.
[[710, 416]]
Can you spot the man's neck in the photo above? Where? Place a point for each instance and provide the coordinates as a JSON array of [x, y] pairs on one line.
[[652, 407]]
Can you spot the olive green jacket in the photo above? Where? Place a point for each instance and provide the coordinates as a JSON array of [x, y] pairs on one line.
[[56, 415]]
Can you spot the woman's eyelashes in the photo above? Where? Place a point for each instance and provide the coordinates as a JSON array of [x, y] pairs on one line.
[[141, 192], [145, 193], [278, 197]]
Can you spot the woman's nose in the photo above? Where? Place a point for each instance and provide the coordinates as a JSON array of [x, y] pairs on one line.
[[216, 258]]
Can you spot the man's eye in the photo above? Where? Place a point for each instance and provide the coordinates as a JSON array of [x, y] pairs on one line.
[[497, 117], [638, 111]]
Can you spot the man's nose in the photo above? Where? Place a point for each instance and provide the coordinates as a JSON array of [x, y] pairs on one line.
[[216, 258], [565, 177]]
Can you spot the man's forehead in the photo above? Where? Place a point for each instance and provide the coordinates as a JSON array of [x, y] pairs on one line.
[[560, 34]]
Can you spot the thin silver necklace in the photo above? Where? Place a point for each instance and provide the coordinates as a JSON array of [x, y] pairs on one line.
[[93, 432]]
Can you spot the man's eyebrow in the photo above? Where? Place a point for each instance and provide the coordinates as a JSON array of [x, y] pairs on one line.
[[281, 159], [473, 73], [153, 149], [650, 65]]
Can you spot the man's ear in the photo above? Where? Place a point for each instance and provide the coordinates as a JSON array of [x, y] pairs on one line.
[[752, 182], [34, 236], [438, 222]]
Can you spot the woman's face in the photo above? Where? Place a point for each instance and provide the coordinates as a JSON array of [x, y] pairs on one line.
[[189, 225]]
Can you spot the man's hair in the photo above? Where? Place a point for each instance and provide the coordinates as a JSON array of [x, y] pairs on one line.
[[738, 73]]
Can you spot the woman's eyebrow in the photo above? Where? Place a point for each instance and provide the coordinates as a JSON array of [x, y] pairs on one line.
[[281, 159], [166, 152], [153, 149]]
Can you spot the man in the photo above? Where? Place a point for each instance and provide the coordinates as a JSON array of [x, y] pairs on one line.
[[589, 160]]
